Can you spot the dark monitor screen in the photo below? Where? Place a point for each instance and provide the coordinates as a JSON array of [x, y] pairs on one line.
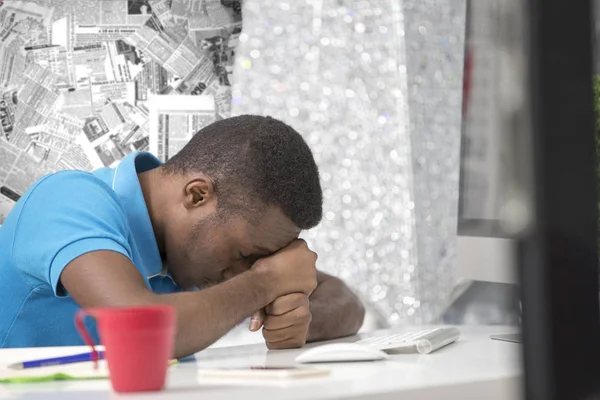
[[482, 180]]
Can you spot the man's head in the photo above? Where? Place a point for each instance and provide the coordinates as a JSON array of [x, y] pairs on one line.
[[244, 188]]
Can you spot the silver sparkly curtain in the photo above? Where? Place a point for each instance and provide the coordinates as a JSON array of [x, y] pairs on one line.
[[434, 52], [373, 87]]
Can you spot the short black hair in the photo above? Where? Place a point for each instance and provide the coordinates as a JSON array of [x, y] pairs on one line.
[[250, 158]]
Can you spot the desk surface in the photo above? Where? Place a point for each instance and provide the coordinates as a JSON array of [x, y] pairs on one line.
[[472, 368]]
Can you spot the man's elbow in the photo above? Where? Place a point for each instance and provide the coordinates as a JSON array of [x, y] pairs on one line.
[[352, 309], [356, 309]]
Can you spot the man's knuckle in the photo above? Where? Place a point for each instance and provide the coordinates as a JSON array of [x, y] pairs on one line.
[[267, 335], [298, 341], [268, 323], [278, 309], [302, 318], [299, 300], [297, 317], [272, 308], [306, 304], [273, 336], [303, 310], [278, 336], [307, 317], [281, 345]]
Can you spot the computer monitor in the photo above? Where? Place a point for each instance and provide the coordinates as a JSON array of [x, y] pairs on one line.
[[542, 69], [484, 250]]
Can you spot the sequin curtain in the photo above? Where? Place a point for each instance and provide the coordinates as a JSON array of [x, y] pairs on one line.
[[374, 87], [323, 67], [434, 53]]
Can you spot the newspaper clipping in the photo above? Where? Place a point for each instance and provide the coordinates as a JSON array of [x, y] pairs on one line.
[[83, 83], [174, 120]]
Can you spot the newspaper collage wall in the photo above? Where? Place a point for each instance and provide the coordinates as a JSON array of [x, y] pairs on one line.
[[83, 83]]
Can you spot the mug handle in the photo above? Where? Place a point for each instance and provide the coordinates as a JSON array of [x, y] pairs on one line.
[[83, 332]]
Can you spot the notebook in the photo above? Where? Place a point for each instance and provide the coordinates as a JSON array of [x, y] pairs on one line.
[[76, 371], [66, 372]]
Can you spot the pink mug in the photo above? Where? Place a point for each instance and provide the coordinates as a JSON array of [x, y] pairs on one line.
[[138, 341]]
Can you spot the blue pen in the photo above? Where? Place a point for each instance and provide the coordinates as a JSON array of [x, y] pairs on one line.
[[56, 361]]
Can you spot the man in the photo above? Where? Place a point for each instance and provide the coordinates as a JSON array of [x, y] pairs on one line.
[[212, 232]]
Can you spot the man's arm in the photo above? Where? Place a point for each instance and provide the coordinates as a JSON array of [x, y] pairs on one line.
[[106, 278], [291, 320], [336, 310]]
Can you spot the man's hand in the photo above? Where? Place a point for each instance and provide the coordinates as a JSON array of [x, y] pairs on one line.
[[286, 322], [293, 275], [334, 312], [109, 279], [290, 320], [290, 270]]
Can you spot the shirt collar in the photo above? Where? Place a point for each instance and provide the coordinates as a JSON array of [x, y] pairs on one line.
[[127, 185]]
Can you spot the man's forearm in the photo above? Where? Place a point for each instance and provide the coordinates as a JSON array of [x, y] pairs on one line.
[[109, 279], [204, 316], [336, 310]]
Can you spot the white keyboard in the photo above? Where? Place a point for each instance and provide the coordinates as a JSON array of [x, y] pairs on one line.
[[423, 342]]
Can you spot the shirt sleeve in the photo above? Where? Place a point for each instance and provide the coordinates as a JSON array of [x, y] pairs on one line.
[[64, 216]]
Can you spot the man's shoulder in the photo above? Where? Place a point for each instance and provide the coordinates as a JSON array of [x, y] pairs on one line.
[[69, 199], [62, 216], [71, 178], [71, 185]]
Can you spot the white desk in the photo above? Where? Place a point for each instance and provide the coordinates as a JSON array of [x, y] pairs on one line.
[[475, 367]]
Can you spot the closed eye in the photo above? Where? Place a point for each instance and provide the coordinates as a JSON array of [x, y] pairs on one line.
[[250, 259]]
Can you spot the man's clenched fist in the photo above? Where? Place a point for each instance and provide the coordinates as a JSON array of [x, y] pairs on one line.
[[286, 322]]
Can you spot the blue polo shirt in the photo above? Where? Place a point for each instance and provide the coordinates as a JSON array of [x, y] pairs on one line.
[[61, 217]]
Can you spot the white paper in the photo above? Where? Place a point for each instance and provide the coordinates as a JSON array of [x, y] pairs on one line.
[[175, 119]]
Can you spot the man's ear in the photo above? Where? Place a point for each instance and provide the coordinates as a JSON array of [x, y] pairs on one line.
[[199, 192]]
